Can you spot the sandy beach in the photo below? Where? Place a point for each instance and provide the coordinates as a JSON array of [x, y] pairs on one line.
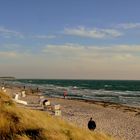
[[120, 121]]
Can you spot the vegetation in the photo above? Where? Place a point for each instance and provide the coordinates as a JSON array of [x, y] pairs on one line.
[[24, 124]]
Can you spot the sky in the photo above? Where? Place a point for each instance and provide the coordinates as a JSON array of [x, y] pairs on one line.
[[70, 39]]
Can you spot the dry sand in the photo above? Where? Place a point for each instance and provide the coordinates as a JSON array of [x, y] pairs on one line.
[[120, 121]]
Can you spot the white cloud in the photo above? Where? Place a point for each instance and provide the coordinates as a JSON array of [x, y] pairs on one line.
[[93, 33], [128, 25], [93, 52], [105, 62], [74, 61], [44, 36], [8, 54], [9, 33], [79, 52]]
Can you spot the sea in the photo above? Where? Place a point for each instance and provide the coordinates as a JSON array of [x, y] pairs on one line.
[[116, 91]]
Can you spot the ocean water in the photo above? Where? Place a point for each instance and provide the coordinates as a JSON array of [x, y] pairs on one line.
[[117, 91]]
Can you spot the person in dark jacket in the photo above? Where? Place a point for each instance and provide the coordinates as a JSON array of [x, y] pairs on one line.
[[44, 102], [91, 124]]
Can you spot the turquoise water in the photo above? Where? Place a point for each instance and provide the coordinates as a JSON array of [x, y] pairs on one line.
[[124, 92]]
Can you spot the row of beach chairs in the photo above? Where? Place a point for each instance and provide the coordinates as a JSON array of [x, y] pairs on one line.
[[46, 104]]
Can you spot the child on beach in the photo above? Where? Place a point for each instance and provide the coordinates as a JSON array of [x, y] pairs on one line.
[[65, 94]]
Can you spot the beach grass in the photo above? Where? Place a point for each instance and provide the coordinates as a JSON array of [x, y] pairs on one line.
[[24, 124]]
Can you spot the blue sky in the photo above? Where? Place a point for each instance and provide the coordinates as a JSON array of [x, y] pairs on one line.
[[84, 39]]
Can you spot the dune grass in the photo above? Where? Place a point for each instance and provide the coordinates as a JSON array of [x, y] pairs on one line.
[[24, 124]]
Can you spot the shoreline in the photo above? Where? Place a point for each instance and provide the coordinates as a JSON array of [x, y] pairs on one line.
[[105, 104], [31, 88]]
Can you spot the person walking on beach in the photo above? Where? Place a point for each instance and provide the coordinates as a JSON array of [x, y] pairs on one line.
[[65, 94], [91, 124]]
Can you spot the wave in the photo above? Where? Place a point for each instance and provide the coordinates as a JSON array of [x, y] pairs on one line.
[[92, 90]]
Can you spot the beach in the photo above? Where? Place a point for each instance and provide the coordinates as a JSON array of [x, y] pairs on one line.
[[119, 121]]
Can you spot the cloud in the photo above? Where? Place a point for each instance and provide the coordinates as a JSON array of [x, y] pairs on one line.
[[103, 62], [10, 46], [9, 33], [75, 51], [8, 54], [78, 52], [74, 61], [128, 25], [93, 33], [44, 36]]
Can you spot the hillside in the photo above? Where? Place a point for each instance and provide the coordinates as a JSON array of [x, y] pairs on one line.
[[24, 124]]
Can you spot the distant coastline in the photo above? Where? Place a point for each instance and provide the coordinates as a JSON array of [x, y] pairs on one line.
[[7, 78]]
